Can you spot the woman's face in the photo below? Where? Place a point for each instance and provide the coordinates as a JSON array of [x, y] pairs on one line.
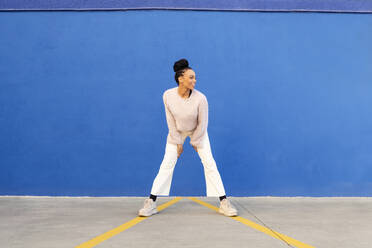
[[188, 79]]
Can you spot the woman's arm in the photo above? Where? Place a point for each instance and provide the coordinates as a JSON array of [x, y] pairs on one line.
[[197, 137], [174, 134]]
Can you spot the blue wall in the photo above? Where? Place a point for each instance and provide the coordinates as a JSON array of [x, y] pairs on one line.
[[81, 110]]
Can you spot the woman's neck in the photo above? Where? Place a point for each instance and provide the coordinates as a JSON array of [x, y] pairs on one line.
[[184, 92]]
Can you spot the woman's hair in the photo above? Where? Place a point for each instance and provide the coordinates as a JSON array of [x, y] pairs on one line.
[[180, 67]]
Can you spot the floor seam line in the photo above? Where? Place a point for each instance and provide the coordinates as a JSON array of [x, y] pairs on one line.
[[255, 226]]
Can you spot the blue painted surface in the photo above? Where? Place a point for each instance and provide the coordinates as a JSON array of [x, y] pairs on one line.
[[81, 109], [239, 5]]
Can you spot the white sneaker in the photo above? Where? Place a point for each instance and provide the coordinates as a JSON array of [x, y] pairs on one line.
[[149, 208], [226, 208]]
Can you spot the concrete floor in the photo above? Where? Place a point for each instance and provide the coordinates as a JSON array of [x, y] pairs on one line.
[[58, 222]]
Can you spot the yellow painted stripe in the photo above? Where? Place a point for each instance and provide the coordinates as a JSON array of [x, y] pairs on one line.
[[258, 227], [99, 239]]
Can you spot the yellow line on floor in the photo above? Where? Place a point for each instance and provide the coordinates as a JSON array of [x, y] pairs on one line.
[[258, 227], [99, 239]]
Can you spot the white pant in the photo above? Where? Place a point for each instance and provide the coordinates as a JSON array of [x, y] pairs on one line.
[[163, 180]]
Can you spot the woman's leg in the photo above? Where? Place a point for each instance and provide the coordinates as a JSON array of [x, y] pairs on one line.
[[163, 180], [212, 176], [213, 179]]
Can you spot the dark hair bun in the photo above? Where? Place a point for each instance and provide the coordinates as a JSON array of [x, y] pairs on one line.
[[180, 64]]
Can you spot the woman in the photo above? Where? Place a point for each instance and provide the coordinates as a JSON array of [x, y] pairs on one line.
[[187, 115]]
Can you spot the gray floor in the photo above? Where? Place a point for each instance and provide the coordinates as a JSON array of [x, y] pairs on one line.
[[49, 222]]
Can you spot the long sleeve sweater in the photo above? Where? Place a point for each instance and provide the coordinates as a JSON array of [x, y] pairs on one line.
[[190, 114]]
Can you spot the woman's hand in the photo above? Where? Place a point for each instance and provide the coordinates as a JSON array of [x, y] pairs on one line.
[[179, 150], [196, 149]]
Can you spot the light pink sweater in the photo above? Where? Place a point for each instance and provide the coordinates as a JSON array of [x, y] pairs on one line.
[[190, 114]]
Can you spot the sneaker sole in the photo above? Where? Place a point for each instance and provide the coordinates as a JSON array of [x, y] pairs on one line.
[[152, 213], [228, 215]]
